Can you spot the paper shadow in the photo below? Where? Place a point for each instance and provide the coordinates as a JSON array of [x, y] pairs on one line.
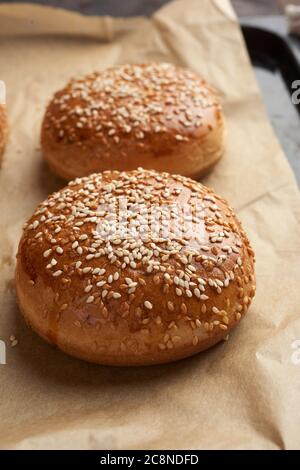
[[47, 180]]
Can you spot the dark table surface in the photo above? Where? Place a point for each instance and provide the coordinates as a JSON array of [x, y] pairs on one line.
[[283, 115]]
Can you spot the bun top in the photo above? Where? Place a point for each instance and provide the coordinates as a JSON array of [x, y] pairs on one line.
[[140, 247], [153, 106]]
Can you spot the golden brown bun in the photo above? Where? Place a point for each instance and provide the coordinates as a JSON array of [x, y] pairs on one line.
[[133, 300], [155, 116], [3, 130]]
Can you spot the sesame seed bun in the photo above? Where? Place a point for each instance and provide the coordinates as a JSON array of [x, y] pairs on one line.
[[155, 116], [3, 130], [135, 297]]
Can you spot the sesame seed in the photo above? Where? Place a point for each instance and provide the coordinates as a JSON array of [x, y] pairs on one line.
[[86, 270], [148, 305], [204, 297], [57, 273], [138, 312], [183, 308], [197, 293]]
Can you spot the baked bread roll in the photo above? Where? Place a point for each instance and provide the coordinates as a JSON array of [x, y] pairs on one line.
[[139, 289], [3, 130], [155, 116]]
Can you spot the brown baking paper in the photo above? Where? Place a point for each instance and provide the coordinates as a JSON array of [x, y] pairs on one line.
[[241, 394]]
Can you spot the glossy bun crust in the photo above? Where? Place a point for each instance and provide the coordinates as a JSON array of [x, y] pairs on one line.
[[155, 116], [3, 130], [145, 298]]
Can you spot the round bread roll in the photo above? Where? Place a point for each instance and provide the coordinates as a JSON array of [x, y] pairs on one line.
[[155, 116], [3, 130], [134, 268]]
